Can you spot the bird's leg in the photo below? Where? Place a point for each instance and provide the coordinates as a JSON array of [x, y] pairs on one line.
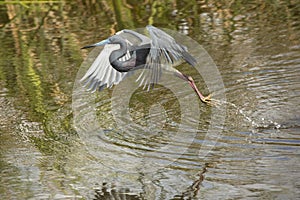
[[204, 99], [191, 81]]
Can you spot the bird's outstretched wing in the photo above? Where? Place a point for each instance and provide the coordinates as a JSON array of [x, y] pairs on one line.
[[101, 74], [164, 46], [165, 52], [134, 38]]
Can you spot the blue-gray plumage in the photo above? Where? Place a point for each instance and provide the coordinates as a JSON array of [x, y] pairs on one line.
[[127, 51]]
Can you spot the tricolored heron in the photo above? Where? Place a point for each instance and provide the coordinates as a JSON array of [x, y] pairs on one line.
[[127, 51]]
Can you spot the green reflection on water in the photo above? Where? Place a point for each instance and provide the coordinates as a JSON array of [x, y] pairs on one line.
[[29, 81], [36, 70]]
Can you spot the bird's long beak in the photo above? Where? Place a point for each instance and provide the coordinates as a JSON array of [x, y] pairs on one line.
[[103, 42]]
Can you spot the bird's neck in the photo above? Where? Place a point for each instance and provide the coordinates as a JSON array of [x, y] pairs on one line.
[[121, 66]]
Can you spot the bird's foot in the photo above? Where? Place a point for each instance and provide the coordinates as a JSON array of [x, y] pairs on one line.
[[211, 101], [207, 99]]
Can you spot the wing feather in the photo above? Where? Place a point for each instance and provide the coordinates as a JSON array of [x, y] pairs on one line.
[[101, 74], [165, 52]]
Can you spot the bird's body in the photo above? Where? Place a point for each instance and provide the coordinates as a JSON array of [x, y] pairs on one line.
[[127, 51]]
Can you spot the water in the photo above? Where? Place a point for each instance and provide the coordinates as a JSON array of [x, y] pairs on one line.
[[165, 144]]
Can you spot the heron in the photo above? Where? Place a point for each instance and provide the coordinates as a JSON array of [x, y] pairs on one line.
[[127, 51]]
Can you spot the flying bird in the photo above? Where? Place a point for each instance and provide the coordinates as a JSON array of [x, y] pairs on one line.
[[127, 51]]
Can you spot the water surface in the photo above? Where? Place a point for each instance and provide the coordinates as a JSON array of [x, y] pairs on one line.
[[254, 154]]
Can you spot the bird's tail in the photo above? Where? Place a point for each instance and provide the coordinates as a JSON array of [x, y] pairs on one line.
[[189, 58]]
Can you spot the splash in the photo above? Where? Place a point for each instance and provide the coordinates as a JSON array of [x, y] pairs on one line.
[[263, 124]]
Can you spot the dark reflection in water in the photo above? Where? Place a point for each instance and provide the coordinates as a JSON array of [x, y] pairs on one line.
[[256, 46], [109, 192], [104, 193]]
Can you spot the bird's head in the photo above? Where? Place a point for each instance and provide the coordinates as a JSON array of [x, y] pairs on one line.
[[111, 40]]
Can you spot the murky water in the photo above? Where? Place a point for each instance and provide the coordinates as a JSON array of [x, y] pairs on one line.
[[59, 141]]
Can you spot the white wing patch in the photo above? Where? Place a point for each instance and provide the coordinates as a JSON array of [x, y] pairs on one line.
[[101, 74]]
